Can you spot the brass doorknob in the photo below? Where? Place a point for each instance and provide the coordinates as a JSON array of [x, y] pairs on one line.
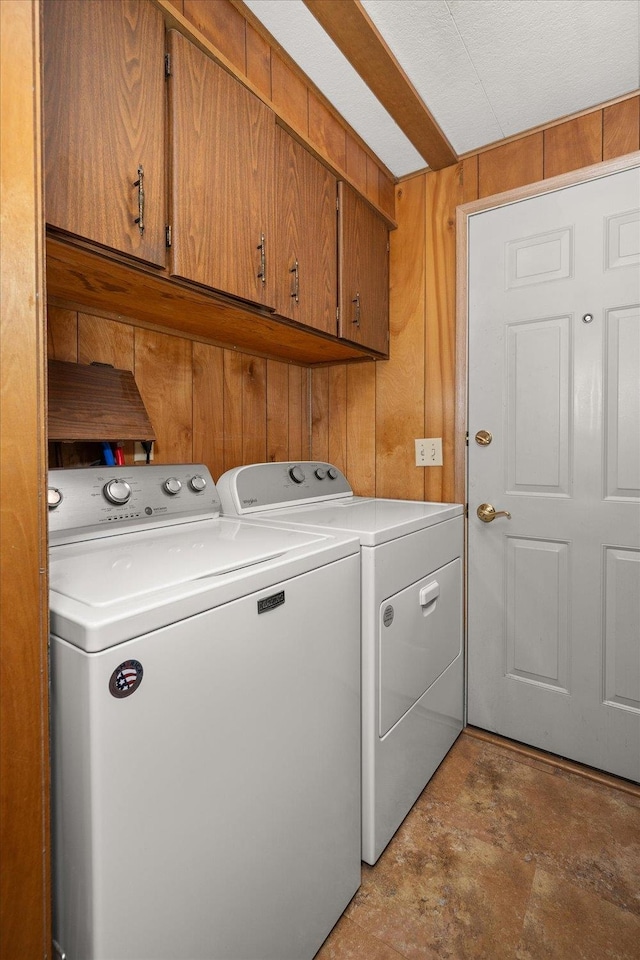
[[487, 513]]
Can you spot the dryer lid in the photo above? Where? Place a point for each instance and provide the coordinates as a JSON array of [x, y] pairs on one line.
[[373, 520]]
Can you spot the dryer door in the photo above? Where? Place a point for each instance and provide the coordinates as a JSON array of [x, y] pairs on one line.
[[420, 634]]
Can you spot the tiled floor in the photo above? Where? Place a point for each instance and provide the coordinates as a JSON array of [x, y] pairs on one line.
[[503, 857]]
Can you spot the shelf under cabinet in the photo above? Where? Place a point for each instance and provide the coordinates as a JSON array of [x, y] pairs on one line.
[[79, 277]]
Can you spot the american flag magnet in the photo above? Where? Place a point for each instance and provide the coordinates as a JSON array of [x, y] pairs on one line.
[[126, 679]]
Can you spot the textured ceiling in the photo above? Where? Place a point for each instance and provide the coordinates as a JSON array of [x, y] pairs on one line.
[[486, 69]]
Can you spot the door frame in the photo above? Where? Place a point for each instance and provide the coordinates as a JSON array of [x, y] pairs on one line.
[[463, 212]]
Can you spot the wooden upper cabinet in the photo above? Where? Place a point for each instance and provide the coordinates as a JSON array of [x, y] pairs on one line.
[[363, 272], [222, 156], [305, 262], [104, 108]]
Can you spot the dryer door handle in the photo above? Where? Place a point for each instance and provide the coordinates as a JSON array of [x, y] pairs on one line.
[[428, 596]]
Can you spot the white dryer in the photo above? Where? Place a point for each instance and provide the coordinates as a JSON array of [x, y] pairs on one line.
[[205, 723], [412, 647]]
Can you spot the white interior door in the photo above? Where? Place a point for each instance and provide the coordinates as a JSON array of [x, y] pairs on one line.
[[554, 377]]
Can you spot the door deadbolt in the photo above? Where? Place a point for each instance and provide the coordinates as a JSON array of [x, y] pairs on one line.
[[484, 438]]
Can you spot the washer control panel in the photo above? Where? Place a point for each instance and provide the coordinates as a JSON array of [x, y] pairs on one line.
[[89, 502], [264, 486]]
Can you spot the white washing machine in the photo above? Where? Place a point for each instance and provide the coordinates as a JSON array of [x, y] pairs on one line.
[[205, 723], [412, 658]]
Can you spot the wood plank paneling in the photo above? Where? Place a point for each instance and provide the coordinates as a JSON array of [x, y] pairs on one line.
[[208, 404], [361, 428], [221, 23], [576, 143], [373, 180], [386, 193], [277, 404], [258, 61], [254, 409], [232, 409], [356, 167], [320, 414], [470, 179], [511, 165], [444, 192], [163, 375], [289, 94], [299, 414], [621, 128], [105, 341], [326, 132], [25, 891], [400, 382], [62, 334], [337, 387]]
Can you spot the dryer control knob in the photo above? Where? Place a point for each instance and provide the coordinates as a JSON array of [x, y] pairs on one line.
[[297, 474], [320, 473], [197, 483], [117, 491], [54, 498], [172, 486], [332, 473]]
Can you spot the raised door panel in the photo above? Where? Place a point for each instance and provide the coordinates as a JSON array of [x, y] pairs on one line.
[[305, 261], [104, 120], [222, 157], [363, 272]]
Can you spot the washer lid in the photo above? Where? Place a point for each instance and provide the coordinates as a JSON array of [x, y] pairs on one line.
[[373, 520], [109, 590]]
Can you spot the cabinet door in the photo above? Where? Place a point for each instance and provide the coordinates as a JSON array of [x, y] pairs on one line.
[[104, 119], [222, 157], [363, 272], [306, 239]]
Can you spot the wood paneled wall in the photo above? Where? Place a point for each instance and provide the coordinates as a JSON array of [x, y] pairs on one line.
[[24, 741], [207, 405], [367, 419], [238, 35]]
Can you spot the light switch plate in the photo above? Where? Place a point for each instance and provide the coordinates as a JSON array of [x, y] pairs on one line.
[[429, 452]]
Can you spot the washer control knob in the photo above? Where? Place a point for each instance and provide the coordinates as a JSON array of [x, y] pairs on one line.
[[297, 474], [197, 483], [172, 485], [332, 473], [117, 491], [54, 498], [320, 473]]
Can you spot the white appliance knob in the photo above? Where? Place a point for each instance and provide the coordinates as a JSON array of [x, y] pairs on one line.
[[117, 491], [332, 473], [297, 474], [54, 497], [320, 473], [197, 483], [172, 486]]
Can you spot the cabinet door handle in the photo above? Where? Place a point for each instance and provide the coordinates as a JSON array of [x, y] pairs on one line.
[[139, 183], [262, 275], [295, 293], [356, 318]]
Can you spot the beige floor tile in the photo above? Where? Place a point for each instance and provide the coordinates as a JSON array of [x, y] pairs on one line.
[[503, 857], [348, 941], [564, 823], [438, 893], [565, 922]]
